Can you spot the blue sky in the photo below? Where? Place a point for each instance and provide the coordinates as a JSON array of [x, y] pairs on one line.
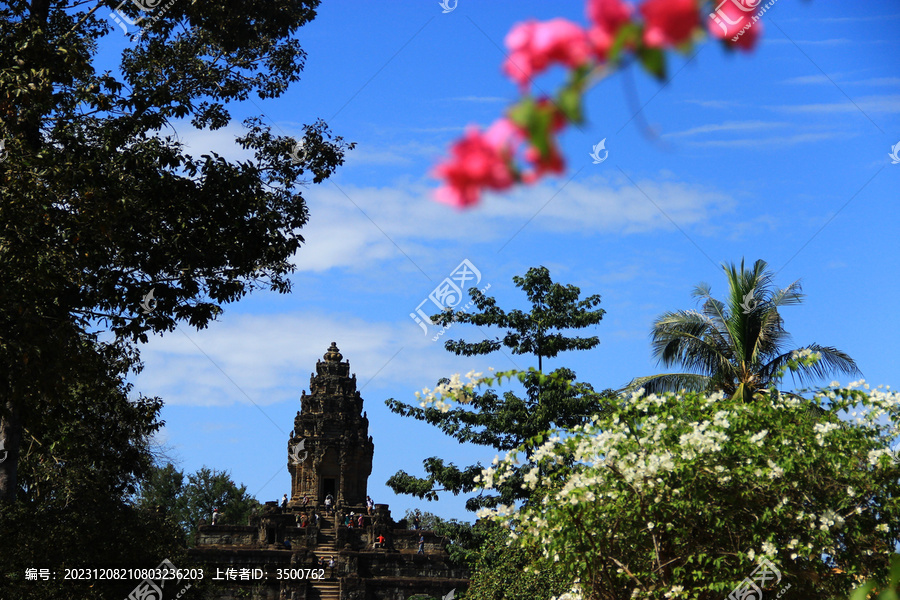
[[781, 154]]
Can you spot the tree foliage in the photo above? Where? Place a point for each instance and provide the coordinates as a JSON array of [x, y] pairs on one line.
[[102, 204], [736, 345], [541, 332], [501, 572], [504, 422], [187, 503], [80, 465], [683, 495]]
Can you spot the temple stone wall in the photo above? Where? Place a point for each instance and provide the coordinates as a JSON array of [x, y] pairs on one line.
[[329, 450]]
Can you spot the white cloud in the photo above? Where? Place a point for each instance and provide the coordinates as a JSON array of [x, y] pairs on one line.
[[839, 78], [869, 104], [266, 359], [396, 154], [726, 127], [221, 141], [482, 99], [404, 220], [768, 143]]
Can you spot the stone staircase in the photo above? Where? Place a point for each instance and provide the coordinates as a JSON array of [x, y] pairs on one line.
[[326, 589]]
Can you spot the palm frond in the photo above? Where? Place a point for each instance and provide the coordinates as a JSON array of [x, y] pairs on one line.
[[832, 360], [668, 382]]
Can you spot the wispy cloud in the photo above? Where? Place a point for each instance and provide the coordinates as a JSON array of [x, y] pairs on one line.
[[390, 154], [266, 359], [356, 226], [865, 19], [717, 104], [827, 42], [868, 104], [481, 99], [841, 78], [728, 126], [768, 143]]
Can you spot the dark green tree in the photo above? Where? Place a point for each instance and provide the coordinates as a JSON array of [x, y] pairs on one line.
[[503, 573], [738, 346], [80, 465], [188, 502], [508, 421], [540, 332], [101, 206], [208, 489]]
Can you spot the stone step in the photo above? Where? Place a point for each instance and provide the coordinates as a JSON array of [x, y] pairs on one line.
[[326, 590]]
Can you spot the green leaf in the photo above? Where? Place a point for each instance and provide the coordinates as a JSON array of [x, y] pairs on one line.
[[654, 61], [569, 103]]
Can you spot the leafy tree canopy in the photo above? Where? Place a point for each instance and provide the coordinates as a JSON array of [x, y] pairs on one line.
[[684, 495], [188, 502], [504, 422], [738, 345], [102, 205], [80, 465]]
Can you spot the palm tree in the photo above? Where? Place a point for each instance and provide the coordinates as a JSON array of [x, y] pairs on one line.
[[736, 346]]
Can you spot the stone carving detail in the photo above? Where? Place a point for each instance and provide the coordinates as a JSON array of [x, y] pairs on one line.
[[336, 437]]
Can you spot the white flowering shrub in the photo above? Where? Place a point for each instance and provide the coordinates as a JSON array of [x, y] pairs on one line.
[[679, 495]]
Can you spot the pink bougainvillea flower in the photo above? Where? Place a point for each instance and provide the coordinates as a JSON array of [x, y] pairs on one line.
[[735, 24], [504, 135], [535, 45], [551, 163], [668, 22], [479, 161], [606, 17], [747, 41]]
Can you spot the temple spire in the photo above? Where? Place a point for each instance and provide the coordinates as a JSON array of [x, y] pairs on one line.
[[337, 450]]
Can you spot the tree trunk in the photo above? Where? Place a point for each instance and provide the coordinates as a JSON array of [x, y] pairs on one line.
[[11, 440]]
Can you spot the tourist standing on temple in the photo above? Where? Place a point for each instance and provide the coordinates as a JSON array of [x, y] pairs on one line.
[[416, 521], [215, 516], [360, 522], [305, 500], [331, 566], [329, 501], [284, 501], [370, 505], [421, 545]]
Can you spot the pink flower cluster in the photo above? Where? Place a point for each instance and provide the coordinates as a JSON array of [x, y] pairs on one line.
[[487, 160]]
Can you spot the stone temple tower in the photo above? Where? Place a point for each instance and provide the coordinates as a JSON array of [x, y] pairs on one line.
[[330, 450]]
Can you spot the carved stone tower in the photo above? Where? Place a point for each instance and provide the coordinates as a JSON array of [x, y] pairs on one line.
[[330, 450]]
